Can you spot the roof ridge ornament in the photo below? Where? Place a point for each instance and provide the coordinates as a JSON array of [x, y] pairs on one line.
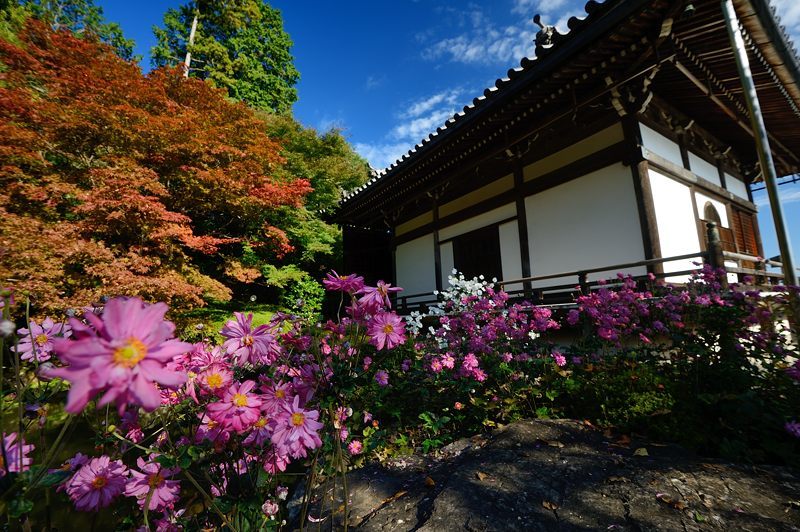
[[544, 37]]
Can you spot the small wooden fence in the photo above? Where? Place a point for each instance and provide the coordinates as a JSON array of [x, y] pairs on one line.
[[539, 290]]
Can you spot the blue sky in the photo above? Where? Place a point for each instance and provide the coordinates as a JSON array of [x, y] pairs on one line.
[[388, 73]]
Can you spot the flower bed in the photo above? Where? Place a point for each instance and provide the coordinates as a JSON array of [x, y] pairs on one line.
[[175, 435]]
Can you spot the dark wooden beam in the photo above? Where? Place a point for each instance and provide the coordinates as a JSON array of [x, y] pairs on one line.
[[644, 193], [522, 224]]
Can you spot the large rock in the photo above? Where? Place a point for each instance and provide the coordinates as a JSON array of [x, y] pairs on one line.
[[561, 475]]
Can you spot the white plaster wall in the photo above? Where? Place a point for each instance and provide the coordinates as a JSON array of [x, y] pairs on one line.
[[416, 266], [704, 169], [661, 145], [675, 220], [476, 222], [448, 263], [736, 186], [510, 256], [701, 200], [592, 221]]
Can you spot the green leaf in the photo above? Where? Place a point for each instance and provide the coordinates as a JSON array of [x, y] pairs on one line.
[[166, 461], [19, 506], [55, 478]]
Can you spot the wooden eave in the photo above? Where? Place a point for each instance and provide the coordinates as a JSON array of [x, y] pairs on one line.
[[616, 39]]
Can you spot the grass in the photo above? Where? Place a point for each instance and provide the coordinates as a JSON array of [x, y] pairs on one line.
[[206, 322]]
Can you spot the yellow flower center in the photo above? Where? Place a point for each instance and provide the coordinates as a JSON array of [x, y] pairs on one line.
[[155, 480], [280, 394], [99, 482], [41, 339], [298, 419], [130, 354], [382, 290], [388, 328], [214, 380], [239, 399], [2, 462], [261, 423], [211, 424], [247, 340]]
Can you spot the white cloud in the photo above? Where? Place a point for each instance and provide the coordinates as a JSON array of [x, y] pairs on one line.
[[422, 126], [381, 155], [491, 45], [789, 12], [486, 43], [418, 118], [786, 196], [326, 123], [422, 106], [529, 8]]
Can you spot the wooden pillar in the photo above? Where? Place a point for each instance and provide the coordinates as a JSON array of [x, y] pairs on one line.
[[644, 193], [522, 225], [437, 252], [716, 259]]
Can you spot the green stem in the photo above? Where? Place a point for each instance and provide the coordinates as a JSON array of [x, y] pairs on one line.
[[209, 500]]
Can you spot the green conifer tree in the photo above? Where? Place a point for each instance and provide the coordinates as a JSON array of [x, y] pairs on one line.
[[82, 18], [239, 45]]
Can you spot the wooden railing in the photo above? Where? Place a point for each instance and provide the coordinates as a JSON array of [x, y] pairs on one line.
[[566, 292]]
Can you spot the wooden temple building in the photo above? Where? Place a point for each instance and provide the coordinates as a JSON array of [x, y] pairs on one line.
[[612, 147]]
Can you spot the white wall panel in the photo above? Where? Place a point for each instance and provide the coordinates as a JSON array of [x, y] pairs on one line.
[[416, 266], [592, 221], [510, 253], [675, 219], [736, 186], [446, 253], [476, 222], [704, 169], [661, 145]]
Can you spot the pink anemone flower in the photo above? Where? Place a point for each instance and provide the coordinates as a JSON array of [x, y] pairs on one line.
[[343, 283], [97, 483], [36, 342], [296, 429], [386, 330], [377, 297], [153, 482], [238, 409], [246, 344], [14, 458], [125, 355]]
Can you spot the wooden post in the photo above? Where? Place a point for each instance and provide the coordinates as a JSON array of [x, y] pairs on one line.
[[583, 283], [716, 259]]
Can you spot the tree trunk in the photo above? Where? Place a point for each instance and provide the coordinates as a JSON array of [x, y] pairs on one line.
[[188, 61]]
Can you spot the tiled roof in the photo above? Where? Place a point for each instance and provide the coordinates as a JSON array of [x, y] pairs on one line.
[[600, 17], [593, 10]]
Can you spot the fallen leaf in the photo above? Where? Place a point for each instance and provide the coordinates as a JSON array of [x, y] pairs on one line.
[[481, 476], [669, 501], [618, 479], [641, 451], [429, 482], [624, 440], [550, 505]]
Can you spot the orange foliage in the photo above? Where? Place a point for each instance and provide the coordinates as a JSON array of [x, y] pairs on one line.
[[112, 182]]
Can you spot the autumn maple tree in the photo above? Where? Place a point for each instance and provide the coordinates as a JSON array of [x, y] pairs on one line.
[[114, 182]]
